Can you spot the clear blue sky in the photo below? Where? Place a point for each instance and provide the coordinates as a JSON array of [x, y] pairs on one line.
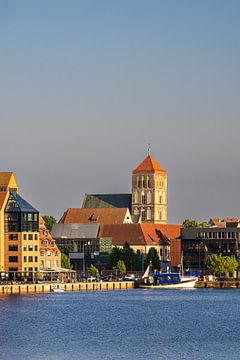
[[85, 85]]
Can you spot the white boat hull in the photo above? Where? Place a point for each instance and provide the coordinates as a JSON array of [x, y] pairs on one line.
[[58, 290], [185, 283]]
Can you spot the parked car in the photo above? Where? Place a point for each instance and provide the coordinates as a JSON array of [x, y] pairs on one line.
[[129, 277]]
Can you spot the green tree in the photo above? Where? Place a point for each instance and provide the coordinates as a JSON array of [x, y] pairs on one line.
[[65, 262], [92, 270], [128, 256], [219, 264], [189, 223], [114, 257], [120, 267], [49, 221], [152, 256]]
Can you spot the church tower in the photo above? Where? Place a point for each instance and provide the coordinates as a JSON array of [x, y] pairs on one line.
[[149, 192]]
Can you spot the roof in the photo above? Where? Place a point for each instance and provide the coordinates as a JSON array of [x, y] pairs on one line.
[[3, 196], [5, 178], [23, 205], [107, 201], [120, 234], [134, 234], [154, 235], [171, 231], [148, 165], [75, 231], [97, 215]]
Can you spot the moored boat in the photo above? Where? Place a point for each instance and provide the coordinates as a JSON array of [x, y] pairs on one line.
[[158, 280], [168, 281], [58, 290]]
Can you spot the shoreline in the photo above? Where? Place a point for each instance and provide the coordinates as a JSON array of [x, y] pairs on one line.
[[18, 289]]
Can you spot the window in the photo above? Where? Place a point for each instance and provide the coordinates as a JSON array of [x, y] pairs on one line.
[[138, 182], [13, 269], [149, 214], [143, 214], [36, 259], [24, 236], [143, 198], [148, 182], [149, 197], [30, 237], [12, 248], [48, 253], [24, 259], [52, 244], [136, 197], [30, 259], [56, 263], [25, 248], [36, 236], [41, 253], [42, 264], [36, 248], [161, 252], [30, 248], [48, 263], [12, 236], [45, 243], [12, 259], [36, 269], [29, 217], [56, 253]]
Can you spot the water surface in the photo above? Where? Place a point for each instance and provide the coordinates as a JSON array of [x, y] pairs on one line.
[[134, 324]]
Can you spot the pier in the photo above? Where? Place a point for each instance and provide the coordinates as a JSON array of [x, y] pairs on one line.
[[225, 284], [46, 288]]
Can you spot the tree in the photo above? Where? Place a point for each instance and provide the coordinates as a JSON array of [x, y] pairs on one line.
[[219, 264], [65, 262], [189, 223], [49, 221], [120, 267], [114, 257], [128, 256], [152, 256], [92, 270]]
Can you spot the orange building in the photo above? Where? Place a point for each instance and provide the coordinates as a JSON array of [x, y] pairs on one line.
[[50, 255]]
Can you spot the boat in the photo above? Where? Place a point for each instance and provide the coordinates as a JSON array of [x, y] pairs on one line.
[[158, 280], [57, 290]]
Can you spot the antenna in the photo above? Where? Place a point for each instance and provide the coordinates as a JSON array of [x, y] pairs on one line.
[[149, 148]]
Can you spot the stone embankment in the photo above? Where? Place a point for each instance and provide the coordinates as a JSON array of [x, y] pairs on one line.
[[226, 284], [46, 288]]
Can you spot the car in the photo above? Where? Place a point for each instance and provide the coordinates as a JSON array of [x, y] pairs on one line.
[[129, 277]]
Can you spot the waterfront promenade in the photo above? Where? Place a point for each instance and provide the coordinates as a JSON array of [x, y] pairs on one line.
[[46, 288]]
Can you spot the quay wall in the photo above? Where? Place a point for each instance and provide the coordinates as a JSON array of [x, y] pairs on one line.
[[46, 288], [231, 284]]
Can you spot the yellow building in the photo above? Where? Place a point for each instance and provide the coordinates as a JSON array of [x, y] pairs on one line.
[[149, 192]]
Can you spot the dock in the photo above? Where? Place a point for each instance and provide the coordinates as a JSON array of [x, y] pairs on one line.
[[47, 288]]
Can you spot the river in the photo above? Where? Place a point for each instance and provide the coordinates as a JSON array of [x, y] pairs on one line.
[[131, 324]]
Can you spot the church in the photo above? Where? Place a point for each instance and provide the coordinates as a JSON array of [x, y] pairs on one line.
[[147, 202]]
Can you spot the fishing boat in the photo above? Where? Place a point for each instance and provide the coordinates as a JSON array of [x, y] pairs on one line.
[[57, 290], [158, 280]]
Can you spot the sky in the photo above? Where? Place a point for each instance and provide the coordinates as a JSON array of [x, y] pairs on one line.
[[86, 85]]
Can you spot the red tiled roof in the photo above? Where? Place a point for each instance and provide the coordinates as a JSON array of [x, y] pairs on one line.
[[171, 231], [90, 216], [148, 165], [122, 233], [153, 235], [134, 234]]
